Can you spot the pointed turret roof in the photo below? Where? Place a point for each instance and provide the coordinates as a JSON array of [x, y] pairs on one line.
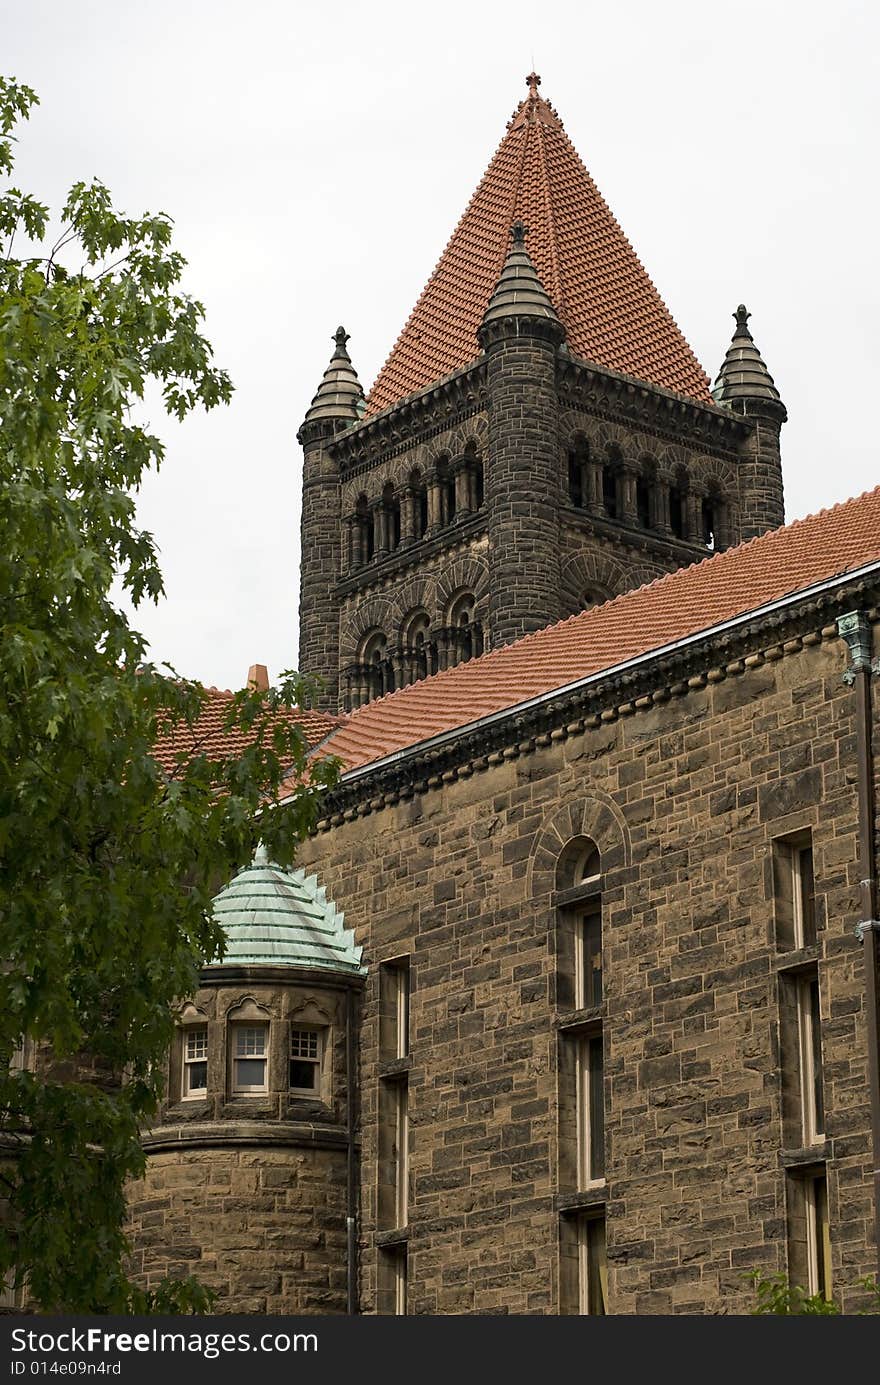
[[340, 394], [519, 292], [612, 313], [743, 374]]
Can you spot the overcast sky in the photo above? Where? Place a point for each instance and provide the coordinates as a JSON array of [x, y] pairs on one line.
[[315, 159]]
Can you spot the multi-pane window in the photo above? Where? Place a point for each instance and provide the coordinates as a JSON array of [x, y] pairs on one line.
[[810, 1059], [249, 1051], [794, 892], [590, 1110], [195, 1061], [305, 1060], [592, 1266]]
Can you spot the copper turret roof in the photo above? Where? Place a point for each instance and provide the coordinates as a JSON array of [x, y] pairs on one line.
[[611, 311]]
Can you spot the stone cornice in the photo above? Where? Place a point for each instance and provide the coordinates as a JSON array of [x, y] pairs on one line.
[[622, 399], [414, 419], [228, 1134], [727, 653]]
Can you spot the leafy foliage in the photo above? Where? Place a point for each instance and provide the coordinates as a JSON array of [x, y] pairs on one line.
[[775, 1295], [107, 865]]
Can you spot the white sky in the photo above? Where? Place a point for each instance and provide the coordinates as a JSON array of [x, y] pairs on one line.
[[316, 158]]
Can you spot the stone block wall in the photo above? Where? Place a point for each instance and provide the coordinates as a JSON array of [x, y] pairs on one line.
[[684, 795]]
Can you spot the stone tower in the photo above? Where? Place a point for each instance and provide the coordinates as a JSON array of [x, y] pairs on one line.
[[251, 1166], [540, 439]]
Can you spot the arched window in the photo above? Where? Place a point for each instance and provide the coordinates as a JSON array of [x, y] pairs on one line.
[[610, 486], [419, 651], [446, 486], [645, 487], [479, 486], [678, 504], [711, 514], [419, 503], [364, 520], [377, 666], [579, 995], [464, 630], [391, 506]]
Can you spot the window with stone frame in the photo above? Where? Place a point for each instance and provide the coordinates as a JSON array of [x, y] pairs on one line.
[[394, 986], [579, 926], [809, 1230], [803, 1097], [194, 1062], [305, 1060], [393, 1152], [794, 891], [392, 1280], [583, 1263], [249, 1058]]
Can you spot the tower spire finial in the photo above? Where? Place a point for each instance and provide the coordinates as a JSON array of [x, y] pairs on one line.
[[518, 232], [534, 82]]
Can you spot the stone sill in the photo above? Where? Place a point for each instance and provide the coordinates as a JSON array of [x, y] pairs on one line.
[[578, 894], [809, 1156], [802, 959], [567, 1203], [397, 1237], [581, 1021], [395, 1069]]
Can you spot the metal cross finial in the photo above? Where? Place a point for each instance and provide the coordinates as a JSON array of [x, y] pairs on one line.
[[534, 82], [518, 232]]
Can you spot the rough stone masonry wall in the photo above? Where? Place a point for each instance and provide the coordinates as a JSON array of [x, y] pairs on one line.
[[684, 798], [263, 1227]]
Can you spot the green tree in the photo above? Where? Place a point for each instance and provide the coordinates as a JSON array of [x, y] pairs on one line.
[[107, 865]]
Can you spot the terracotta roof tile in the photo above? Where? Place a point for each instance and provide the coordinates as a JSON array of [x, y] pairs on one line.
[[209, 738], [675, 606], [612, 313]]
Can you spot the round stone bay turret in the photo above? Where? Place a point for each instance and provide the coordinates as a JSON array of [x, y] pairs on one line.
[[248, 1161]]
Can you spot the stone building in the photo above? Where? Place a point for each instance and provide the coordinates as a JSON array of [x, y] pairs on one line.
[[597, 1035]]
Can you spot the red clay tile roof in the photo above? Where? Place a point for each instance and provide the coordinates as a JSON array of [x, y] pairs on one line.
[[677, 605], [208, 736], [612, 313]]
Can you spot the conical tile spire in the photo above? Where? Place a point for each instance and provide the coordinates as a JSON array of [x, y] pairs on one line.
[[519, 293], [743, 374], [611, 311], [339, 395]]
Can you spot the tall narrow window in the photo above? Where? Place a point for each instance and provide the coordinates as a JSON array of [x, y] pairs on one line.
[[249, 1050], [392, 1284], [305, 1061], [794, 892], [401, 1154], [588, 959], [394, 1009], [810, 1054], [590, 1110], [195, 1062], [818, 1236], [592, 1266]]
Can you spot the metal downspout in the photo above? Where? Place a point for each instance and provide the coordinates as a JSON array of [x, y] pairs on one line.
[[351, 1171], [855, 629]]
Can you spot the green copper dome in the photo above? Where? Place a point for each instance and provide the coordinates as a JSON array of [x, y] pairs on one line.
[[282, 918]]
